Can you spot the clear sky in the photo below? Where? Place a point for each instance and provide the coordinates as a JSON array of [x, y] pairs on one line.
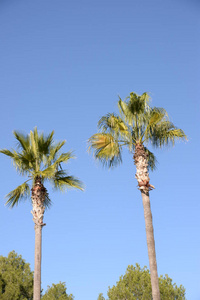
[[62, 66]]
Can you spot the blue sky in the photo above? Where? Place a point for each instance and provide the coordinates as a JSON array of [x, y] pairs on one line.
[[62, 66]]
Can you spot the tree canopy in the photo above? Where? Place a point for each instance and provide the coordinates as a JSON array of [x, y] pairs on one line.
[[136, 285], [38, 156], [136, 123], [16, 283], [100, 297], [16, 278], [57, 292]]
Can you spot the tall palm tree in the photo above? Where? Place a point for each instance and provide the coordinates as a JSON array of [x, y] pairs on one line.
[[39, 158], [137, 126]]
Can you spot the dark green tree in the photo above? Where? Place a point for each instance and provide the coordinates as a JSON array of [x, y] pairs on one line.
[[39, 158], [137, 126], [136, 285], [16, 278], [57, 292]]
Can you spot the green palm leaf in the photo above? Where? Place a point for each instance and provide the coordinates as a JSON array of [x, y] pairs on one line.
[[47, 173], [166, 133], [115, 126], [47, 201], [152, 161], [45, 144], [22, 191], [34, 144], [135, 106], [126, 112], [151, 121], [156, 115], [62, 181], [63, 158], [112, 122], [8, 153], [106, 149], [23, 140], [53, 151], [138, 104]]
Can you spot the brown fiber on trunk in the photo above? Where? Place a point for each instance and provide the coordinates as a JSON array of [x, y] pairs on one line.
[[38, 197], [141, 161], [142, 176]]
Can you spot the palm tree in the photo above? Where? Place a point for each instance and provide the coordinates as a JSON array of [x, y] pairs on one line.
[[137, 126], [38, 157]]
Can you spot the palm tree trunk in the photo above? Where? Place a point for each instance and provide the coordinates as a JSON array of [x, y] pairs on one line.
[[38, 197], [142, 176], [38, 259], [151, 245]]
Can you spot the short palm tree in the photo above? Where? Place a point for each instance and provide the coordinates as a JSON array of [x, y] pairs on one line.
[[38, 157], [137, 126]]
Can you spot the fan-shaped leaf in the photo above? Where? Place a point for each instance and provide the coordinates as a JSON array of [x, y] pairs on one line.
[[22, 191], [106, 148]]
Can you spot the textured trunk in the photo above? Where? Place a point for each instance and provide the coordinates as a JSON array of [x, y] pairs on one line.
[[37, 267], [38, 197], [142, 176], [151, 245]]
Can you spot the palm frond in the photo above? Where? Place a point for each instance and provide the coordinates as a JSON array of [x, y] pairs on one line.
[[156, 115], [63, 158], [62, 182], [53, 151], [47, 173], [45, 143], [23, 140], [145, 98], [47, 201], [22, 191], [20, 161], [34, 145], [138, 105], [106, 149], [152, 161], [112, 122], [134, 133], [166, 133], [151, 120], [24, 162], [125, 112], [8, 153], [134, 110], [41, 146]]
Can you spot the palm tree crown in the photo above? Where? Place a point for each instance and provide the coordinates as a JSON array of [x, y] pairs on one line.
[[137, 123], [38, 157]]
